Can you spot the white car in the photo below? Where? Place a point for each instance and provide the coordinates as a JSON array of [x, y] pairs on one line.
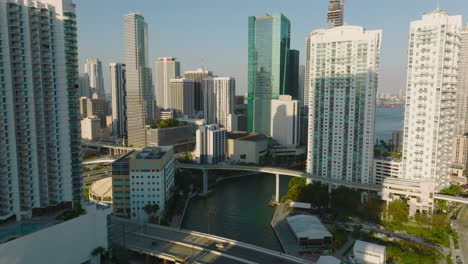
[[220, 245]]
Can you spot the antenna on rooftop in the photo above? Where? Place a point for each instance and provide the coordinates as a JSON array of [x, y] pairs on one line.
[[203, 64]]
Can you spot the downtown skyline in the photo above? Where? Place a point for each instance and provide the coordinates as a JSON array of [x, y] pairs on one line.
[[228, 24]]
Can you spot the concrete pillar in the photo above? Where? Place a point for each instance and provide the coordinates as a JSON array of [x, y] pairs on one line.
[[308, 181], [277, 198], [205, 182]]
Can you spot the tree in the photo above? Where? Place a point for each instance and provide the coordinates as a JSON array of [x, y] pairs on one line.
[[398, 211], [422, 219], [372, 209], [151, 209], [97, 251], [297, 181], [170, 122], [452, 190]]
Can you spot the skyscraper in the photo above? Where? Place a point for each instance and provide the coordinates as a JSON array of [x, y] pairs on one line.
[[430, 97], [285, 120], [93, 68], [197, 77], [119, 102], [293, 75], [140, 99], [342, 65], [461, 109], [269, 39], [335, 14], [211, 144], [182, 96], [85, 90], [219, 93], [40, 137], [166, 69]]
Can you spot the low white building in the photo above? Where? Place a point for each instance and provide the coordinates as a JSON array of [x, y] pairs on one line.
[[369, 253], [285, 120], [211, 144], [386, 168], [246, 147], [309, 231], [68, 242], [151, 174], [91, 128], [419, 194]]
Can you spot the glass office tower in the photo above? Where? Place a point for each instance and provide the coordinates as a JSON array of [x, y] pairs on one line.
[[269, 39]]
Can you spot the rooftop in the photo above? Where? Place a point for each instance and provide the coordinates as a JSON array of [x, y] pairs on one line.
[[152, 153], [369, 247], [246, 136], [307, 226]]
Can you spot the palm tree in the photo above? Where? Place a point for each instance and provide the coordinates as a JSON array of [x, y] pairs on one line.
[[151, 209]]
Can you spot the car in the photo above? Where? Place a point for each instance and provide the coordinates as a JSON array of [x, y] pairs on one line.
[[459, 260], [220, 245]]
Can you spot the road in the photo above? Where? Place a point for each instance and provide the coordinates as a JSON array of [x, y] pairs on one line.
[[462, 228], [186, 245]]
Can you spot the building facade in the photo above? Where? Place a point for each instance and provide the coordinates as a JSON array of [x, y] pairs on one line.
[[335, 14], [430, 97], [386, 168], [342, 65], [85, 90], [461, 103], [218, 97], [460, 151], [93, 68], [167, 68], [91, 128], [182, 96], [119, 99], [151, 175], [211, 144], [285, 120], [197, 78], [40, 135], [293, 75], [268, 54], [140, 99]]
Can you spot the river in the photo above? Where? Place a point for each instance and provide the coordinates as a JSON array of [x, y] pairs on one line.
[[238, 208]]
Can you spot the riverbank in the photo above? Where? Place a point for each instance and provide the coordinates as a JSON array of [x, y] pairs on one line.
[[238, 209]]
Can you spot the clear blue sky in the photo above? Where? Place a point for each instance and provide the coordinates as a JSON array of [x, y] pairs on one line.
[[216, 30]]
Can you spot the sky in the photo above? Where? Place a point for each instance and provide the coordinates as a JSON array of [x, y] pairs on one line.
[[215, 31]]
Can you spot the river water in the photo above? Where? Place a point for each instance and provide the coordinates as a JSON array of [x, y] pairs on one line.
[[238, 208]]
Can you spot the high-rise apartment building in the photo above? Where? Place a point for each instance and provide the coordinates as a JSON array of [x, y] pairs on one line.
[[211, 144], [461, 109], [460, 151], [166, 69], [197, 77], [269, 39], [342, 66], [218, 97], [93, 68], [430, 97], [182, 96], [40, 136], [85, 90], [119, 102], [140, 98], [91, 128], [285, 120], [335, 14]]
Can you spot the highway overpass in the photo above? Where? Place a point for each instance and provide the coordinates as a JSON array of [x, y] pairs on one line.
[[281, 171], [183, 246]]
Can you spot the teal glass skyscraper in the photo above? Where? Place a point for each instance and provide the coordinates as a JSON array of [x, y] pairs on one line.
[[269, 39]]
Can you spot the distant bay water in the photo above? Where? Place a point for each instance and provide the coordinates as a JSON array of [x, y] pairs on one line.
[[388, 120]]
